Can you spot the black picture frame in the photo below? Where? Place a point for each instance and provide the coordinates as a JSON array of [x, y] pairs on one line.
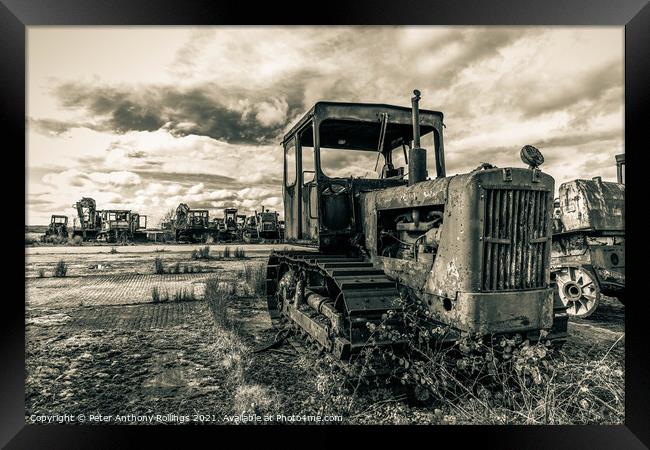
[[16, 15]]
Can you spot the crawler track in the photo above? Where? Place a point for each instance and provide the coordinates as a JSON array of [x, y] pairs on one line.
[[330, 300]]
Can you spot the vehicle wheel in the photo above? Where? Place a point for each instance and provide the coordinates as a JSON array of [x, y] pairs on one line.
[[246, 237], [579, 291]]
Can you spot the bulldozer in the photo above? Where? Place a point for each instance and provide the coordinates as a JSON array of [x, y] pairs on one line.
[[191, 225], [121, 226], [58, 228], [262, 226], [89, 219], [473, 249], [231, 226], [588, 250]]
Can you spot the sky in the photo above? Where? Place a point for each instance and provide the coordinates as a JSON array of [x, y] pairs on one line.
[[144, 118]]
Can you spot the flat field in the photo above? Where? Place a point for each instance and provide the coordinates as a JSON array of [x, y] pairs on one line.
[[101, 345]]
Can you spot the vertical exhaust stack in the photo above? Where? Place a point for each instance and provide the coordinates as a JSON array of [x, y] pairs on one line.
[[417, 155]]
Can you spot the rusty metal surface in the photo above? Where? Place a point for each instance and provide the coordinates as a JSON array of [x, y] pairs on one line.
[[592, 205], [475, 247]]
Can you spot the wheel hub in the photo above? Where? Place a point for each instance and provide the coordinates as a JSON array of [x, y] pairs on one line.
[[579, 291]]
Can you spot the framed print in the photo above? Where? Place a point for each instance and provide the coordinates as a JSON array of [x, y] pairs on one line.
[[382, 217]]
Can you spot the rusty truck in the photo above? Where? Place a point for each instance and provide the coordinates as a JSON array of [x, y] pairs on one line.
[[473, 249], [58, 228], [262, 226], [588, 251], [231, 226], [88, 222], [191, 225], [122, 226]]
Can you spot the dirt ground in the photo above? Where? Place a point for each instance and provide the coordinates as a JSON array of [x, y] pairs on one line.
[[99, 350]]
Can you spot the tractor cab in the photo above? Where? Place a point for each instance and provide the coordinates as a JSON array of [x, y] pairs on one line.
[[198, 218], [59, 220], [58, 227], [241, 221], [340, 149], [230, 219]]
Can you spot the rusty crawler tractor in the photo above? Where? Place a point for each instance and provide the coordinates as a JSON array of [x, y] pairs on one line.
[[121, 226], [191, 225], [474, 248], [588, 252], [58, 228], [230, 229], [262, 226], [89, 219]]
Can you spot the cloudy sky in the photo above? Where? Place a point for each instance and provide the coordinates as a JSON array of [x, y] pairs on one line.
[[144, 118]]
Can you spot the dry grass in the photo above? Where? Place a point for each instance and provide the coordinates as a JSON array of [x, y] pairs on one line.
[[500, 380], [255, 277], [57, 240], [158, 266], [184, 295], [155, 295], [252, 399], [201, 253], [181, 295], [29, 240], [61, 269], [218, 296]]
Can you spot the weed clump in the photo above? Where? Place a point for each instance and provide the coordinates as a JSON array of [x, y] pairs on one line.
[[201, 253], [239, 253], [155, 295], [113, 250], [61, 269], [184, 295], [41, 273], [255, 277], [226, 252], [218, 295], [158, 266], [159, 296]]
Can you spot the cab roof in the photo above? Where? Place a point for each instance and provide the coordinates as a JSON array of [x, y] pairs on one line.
[[357, 125]]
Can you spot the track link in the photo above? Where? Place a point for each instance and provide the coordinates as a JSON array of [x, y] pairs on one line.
[[335, 298]]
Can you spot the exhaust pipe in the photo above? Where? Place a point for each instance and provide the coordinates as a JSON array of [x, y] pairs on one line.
[[417, 156]]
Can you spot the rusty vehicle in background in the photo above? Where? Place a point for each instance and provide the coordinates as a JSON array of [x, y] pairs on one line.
[[57, 228], [588, 252], [262, 226], [191, 225], [473, 249], [89, 219], [230, 227], [122, 226]]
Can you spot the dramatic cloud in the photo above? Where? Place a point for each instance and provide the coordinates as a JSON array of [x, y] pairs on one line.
[[146, 118], [202, 110]]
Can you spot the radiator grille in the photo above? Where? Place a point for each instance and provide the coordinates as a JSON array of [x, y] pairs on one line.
[[515, 239]]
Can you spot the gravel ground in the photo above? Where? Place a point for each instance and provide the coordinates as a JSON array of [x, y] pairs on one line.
[[96, 344]]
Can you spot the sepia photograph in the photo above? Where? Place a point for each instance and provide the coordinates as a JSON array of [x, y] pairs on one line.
[[325, 225]]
